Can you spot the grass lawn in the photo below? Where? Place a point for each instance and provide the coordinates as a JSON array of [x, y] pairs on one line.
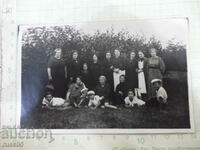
[[176, 115]]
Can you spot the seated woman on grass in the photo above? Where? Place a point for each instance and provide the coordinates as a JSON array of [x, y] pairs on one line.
[[132, 100], [74, 92], [52, 103], [103, 90]]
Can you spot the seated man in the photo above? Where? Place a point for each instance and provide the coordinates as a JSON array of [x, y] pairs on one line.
[[132, 100], [121, 91], [74, 92], [103, 90], [51, 102], [161, 94]]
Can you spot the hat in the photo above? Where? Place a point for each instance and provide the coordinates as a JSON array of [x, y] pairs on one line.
[[155, 80], [91, 93], [84, 89]]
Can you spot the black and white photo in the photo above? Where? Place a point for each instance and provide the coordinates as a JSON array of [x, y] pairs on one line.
[[128, 74]]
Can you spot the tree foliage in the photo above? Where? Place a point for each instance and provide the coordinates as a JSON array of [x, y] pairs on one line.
[[38, 45]]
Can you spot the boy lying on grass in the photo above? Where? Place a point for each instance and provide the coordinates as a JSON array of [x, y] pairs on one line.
[[52, 103], [132, 100]]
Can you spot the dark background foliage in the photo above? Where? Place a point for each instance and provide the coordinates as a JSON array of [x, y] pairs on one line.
[[38, 45]]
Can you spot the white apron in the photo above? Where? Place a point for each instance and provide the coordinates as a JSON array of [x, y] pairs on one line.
[[141, 78]]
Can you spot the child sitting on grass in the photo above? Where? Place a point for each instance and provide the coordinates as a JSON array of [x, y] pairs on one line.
[[161, 94], [50, 102], [83, 97], [94, 100], [132, 100]]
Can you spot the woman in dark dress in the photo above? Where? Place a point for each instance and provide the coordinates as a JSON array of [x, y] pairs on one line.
[[85, 74], [57, 73], [95, 70], [107, 69], [131, 74], [74, 67]]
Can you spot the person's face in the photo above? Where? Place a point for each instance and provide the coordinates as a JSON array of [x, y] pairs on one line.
[[130, 94], [117, 53], [78, 81], [108, 55], [122, 79], [84, 92], [102, 80], [58, 53], [153, 52], [141, 55], [75, 55], [132, 55], [49, 97], [95, 58], [156, 85], [85, 67]]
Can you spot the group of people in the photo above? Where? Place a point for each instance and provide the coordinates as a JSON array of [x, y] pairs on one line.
[[111, 82]]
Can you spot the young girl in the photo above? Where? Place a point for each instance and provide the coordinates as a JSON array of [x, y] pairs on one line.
[[94, 100], [132, 100], [51, 102]]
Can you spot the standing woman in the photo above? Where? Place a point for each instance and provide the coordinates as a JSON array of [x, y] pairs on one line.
[[74, 66], [118, 67], [142, 72], [156, 69], [131, 74], [107, 69], [95, 70], [57, 73], [85, 74]]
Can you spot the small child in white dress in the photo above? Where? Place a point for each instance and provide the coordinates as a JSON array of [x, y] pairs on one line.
[[132, 100], [94, 100]]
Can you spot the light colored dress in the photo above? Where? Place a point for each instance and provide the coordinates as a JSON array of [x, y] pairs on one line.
[[95, 102], [135, 101], [141, 78], [161, 93]]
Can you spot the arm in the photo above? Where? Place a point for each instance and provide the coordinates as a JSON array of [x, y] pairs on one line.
[[162, 66], [67, 96], [49, 73], [65, 72]]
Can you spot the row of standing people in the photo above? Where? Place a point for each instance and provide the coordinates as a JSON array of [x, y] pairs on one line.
[[138, 72]]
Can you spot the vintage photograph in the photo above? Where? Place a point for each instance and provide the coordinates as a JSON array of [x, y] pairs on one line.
[[128, 74]]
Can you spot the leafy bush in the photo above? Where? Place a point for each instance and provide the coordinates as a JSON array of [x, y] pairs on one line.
[[40, 42]]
